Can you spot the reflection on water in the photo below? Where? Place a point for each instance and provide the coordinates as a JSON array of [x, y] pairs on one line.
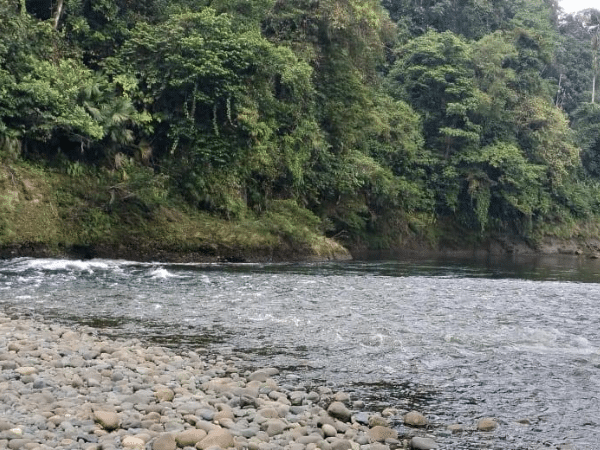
[[516, 339], [527, 267]]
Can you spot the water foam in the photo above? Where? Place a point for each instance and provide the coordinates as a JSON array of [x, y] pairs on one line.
[[56, 265]]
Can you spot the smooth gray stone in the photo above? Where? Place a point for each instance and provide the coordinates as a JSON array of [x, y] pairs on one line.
[[362, 418], [341, 444], [39, 384], [17, 444], [8, 365], [244, 432], [339, 411], [5, 425], [419, 443], [205, 414]]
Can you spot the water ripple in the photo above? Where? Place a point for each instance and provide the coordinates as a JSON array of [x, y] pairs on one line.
[[457, 340]]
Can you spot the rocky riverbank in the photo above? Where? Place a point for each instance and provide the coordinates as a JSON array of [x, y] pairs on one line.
[[67, 389]]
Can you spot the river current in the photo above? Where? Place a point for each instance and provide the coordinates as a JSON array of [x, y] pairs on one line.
[[457, 340]]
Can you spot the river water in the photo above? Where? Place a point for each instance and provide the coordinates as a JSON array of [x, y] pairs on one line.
[[457, 340]]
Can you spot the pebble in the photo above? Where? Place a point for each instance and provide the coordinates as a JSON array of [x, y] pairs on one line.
[[108, 420], [329, 430], [66, 389], [133, 442], [164, 442]]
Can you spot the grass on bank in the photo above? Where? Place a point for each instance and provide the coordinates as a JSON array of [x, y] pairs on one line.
[[76, 206], [57, 208]]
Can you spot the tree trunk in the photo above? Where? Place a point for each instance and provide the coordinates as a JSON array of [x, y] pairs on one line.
[[595, 48], [558, 92], [57, 13]]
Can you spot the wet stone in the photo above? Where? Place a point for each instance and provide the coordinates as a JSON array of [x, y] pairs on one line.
[[420, 443], [90, 394], [380, 434], [339, 411], [487, 424], [415, 419], [455, 428]]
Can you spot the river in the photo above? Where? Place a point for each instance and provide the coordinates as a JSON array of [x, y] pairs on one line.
[[517, 340]]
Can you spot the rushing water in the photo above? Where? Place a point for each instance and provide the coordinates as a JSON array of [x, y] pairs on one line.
[[518, 341]]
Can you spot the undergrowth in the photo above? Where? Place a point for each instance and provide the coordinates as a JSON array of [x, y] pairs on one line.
[[70, 205]]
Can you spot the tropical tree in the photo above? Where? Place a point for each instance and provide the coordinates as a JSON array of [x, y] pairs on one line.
[[434, 73], [595, 63], [586, 124], [229, 107]]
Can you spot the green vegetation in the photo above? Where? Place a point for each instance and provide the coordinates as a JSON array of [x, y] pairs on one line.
[[262, 128]]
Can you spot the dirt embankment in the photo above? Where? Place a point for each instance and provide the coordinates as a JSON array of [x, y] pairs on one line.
[[43, 215], [148, 250]]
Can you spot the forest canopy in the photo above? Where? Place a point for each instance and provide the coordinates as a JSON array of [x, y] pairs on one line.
[[368, 119]]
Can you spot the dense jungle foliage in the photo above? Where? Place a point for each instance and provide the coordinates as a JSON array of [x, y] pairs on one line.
[[362, 120]]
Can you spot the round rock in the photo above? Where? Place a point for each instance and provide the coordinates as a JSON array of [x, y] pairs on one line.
[[259, 375], [329, 430], [455, 428], [26, 370], [133, 442], [217, 437], [415, 419], [164, 395], [380, 434], [487, 424], [107, 420], [339, 411], [421, 443], [190, 437], [341, 444], [164, 442], [362, 418], [376, 420]]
